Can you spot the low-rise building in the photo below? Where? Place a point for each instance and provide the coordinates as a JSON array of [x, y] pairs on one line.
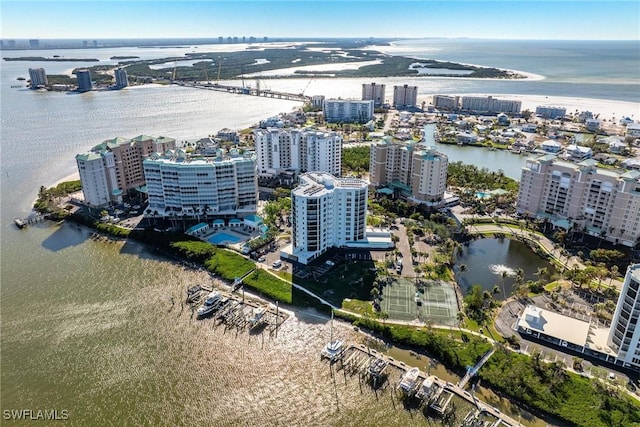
[[592, 124], [633, 130], [551, 146], [549, 112]]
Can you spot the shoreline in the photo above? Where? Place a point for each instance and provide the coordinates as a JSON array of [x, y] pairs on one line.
[[607, 109]]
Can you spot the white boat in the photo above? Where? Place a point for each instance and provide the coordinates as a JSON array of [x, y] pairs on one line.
[[408, 380], [210, 304], [425, 388], [333, 349], [256, 317]]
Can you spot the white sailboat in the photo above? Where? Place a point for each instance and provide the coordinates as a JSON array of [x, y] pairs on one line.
[[333, 349]]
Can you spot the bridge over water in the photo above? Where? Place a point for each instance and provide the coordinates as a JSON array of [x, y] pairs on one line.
[[267, 93]]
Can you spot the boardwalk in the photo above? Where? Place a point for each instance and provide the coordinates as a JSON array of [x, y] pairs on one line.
[[357, 359], [266, 93], [471, 371]]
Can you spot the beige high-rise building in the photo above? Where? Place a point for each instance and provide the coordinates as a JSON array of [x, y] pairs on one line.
[[405, 96], [419, 173], [601, 202], [373, 92], [115, 166]]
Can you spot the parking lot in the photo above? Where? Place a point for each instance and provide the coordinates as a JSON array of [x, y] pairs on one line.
[[435, 302]]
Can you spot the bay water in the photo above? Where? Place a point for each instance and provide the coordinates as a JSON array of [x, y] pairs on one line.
[[88, 326]]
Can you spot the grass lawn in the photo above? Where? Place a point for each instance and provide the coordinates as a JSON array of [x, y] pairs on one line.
[[358, 306], [269, 285], [352, 279]]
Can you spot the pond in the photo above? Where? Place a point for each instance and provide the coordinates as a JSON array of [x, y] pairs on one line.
[[486, 259]]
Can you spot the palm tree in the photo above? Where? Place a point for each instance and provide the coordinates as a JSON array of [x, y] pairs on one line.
[[613, 273], [540, 273], [504, 275], [460, 316]]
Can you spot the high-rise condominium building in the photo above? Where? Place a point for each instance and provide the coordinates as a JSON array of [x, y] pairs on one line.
[[419, 173], [327, 212], [114, 167], [444, 102], [196, 186], [405, 96], [303, 150], [489, 104], [601, 202], [84, 80], [347, 110], [624, 335], [121, 77], [373, 92], [38, 77]]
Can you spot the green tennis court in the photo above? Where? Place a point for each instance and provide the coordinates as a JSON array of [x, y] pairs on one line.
[[435, 302]]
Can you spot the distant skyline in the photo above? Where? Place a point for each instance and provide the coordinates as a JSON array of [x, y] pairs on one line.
[[515, 19]]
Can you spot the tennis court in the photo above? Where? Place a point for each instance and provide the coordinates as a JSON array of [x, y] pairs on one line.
[[435, 302]]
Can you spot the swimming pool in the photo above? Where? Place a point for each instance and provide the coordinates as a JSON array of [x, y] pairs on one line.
[[223, 238]]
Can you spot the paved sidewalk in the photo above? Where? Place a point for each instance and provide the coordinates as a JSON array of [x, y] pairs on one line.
[[542, 241]]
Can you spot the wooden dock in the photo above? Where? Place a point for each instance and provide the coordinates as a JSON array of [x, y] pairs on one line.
[[357, 359], [234, 312]]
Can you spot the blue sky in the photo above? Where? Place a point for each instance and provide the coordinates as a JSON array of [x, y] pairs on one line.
[[515, 19]]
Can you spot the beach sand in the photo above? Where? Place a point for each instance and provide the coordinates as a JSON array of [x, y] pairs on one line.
[[75, 176], [607, 109]]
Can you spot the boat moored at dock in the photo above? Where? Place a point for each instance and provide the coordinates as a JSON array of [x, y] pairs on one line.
[[210, 304], [408, 380], [257, 316], [19, 223], [332, 350]]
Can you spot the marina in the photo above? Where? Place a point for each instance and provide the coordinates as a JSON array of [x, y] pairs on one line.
[[418, 389], [234, 311]]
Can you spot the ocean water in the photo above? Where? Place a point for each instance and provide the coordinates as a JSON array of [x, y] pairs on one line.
[[87, 325]]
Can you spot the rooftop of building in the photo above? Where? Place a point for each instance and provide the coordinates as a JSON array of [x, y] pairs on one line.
[[180, 158], [119, 141], [564, 328], [320, 183], [635, 271]]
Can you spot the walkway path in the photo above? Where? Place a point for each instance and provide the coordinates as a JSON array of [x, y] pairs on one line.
[[547, 245]]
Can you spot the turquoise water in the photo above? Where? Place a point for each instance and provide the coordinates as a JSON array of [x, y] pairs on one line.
[[222, 238]]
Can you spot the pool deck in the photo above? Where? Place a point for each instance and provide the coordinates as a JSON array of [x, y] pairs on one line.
[[241, 234]]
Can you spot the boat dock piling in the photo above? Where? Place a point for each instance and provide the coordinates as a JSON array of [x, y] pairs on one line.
[[234, 311], [368, 363]]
